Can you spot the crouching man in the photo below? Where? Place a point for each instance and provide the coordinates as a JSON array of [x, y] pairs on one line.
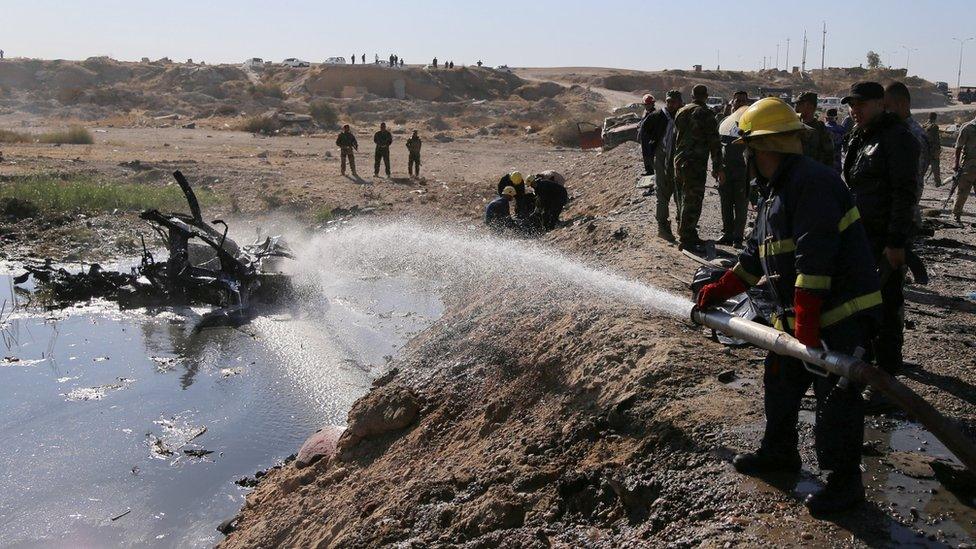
[[810, 245], [498, 213]]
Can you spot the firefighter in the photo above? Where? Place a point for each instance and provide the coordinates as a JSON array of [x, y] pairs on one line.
[[498, 216], [812, 248], [550, 199], [524, 201]]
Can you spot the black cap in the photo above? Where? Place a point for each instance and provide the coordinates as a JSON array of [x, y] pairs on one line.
[[673, 94], [864, 91], [809, 96]]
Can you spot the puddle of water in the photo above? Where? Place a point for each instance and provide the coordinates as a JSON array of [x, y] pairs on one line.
[[99, 406], [917, 512]]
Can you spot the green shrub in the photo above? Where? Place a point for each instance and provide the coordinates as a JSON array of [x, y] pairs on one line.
[[75, 135], [8, 136], [267, 90], [324, 113], [259, 124], [322, 214], [87, 193]]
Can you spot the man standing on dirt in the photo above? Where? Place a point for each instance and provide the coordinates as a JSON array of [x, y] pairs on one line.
[[364, 59], [383, 139], [347, 145], [413, 150], [812, 249], [696, 135], [644, 135], [898, 101], [881, 168], [965, 165], [661, 134], [935, 148], [734, 192], [817, 143]]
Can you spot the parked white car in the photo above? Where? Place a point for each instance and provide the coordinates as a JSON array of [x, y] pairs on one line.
[[254, 62], [335, 61], [825, 103], [295, 63]]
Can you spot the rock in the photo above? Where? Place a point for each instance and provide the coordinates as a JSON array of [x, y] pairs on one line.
[[383, 410], [728, 376], [912, 464], [956, 479], [319, 445], [190, 126]]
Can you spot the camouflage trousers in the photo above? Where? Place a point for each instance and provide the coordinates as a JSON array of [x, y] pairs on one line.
[[936, 169], [966, 181], [690, 177]]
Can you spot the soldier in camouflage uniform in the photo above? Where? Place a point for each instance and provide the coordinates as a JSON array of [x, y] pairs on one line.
[[696, 136], [817, 144], [966, 165], [935, 147]]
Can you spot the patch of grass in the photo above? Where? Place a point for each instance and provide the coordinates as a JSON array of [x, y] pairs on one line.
[[259, 124], [8, 136], [324, 113], [87, 193], [322, 214], [267, 90], [75, 135]]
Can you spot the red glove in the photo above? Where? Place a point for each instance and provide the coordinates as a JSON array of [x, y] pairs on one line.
[[716, 292], [807, 306]]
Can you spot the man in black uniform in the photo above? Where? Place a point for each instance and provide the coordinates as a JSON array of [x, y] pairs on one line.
[[383, 140], [644, 135], [812, 249], [881, 168], [734, 192], [347, 146]]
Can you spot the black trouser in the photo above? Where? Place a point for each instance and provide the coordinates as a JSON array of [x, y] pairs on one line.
[[550, 215], [734, 196], [891, 331], [384, 154], [839, 431], [413, 164], [350, 155]]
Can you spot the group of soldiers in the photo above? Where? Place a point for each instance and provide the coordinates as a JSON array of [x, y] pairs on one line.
[[535, 212], [383, 139], [831, 240]]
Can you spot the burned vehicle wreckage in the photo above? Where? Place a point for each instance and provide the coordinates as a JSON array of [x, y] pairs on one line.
[[204, 267]]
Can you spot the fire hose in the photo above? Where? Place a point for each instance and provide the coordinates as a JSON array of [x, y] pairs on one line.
[[849, 367]]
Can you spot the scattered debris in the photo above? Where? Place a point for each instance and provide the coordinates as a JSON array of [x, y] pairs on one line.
[[117, 517]]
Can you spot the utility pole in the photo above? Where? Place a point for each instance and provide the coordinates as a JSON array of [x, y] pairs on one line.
[[777, 57], [823, 47], [962, 42], [908, 57], [787, 55], [803, 60], [718, 60]]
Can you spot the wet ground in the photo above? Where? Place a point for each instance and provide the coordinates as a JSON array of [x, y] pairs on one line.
[[125, 428]]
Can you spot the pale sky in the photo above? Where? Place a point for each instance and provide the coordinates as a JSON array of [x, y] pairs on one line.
[[606, 33]]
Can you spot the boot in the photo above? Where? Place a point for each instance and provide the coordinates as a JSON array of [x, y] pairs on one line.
[[761, 461], [664, 231], [726, 240], [843, 491]]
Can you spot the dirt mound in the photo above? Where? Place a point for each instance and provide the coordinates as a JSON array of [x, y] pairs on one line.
[[414, 83]]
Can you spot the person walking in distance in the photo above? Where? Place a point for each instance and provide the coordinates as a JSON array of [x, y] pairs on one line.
[[383, 139], [696, 136], [413, 149], [965, 165], [935, 148], [347, 146]]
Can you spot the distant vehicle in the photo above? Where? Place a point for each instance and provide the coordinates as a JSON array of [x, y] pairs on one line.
[[966, 95], [335, 61], [637, 108], [295, 63], [943, 88], [713, 102], [826, 103], [254, 62]]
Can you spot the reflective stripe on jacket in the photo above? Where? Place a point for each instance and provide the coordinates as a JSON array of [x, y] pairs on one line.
[[809, 235]]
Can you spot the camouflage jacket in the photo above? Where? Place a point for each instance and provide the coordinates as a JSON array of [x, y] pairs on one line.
[[696, 135], [967, 142], [817, 144], [414, 144]]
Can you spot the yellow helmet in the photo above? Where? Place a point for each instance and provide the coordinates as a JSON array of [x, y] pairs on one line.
[[509, 191], [767, 117], [516, 178], [530, 181]]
